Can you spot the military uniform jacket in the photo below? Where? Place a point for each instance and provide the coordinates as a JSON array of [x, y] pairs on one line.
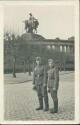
[[39, 75], [53, 78]]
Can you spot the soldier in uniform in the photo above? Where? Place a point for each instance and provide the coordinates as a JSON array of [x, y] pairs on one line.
[[53, 84], [39, 80]]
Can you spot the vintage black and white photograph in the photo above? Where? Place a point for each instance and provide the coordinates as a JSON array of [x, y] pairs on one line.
[[39, 61]]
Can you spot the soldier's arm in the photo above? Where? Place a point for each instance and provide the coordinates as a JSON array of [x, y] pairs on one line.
[[45, 76], [56, 78]]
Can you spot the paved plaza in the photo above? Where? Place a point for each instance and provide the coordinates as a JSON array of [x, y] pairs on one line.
[[21, 100]]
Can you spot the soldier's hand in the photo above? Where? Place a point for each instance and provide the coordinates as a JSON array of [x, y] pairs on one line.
[[44, 85], [34, 87], [48, 90], [54, 89]]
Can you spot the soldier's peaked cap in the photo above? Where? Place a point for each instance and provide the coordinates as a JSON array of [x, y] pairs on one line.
[[38, 58], [50, 60]]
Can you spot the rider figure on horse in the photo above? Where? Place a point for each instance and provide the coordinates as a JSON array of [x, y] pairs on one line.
[[31, 24], [31, 19]]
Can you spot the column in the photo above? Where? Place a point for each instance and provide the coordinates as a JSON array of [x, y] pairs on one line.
[[60, 48], [65, 48], [49, 47], [53, 47], [68, 48]]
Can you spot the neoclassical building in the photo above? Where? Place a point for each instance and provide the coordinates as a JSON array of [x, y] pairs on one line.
[[24, 50]]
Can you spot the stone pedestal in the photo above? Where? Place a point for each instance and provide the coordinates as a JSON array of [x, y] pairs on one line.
[[31, 36]]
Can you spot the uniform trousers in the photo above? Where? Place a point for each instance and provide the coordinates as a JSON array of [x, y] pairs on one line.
[[42, 94]]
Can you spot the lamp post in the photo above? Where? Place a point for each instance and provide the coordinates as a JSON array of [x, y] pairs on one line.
[[14, 62], [14, 59]]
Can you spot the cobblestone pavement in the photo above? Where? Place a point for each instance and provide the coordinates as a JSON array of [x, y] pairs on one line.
[[21, 101]]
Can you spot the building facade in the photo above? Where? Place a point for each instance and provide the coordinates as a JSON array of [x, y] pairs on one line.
[[26, 48]]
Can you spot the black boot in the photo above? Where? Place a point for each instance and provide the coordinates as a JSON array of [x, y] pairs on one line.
[[55, 110], [40, 103], [46, 104], [46, 107], [46, 99], [39, 108]]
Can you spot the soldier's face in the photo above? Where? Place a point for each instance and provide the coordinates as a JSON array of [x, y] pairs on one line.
[[50, 64], [37, 62]]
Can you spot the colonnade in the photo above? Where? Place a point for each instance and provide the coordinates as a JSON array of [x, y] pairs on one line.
[[62, 48]]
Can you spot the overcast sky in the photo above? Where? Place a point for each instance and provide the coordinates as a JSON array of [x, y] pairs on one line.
[[54, 21]]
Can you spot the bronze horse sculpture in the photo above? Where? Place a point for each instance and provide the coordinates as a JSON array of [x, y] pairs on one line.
[[31, 27]]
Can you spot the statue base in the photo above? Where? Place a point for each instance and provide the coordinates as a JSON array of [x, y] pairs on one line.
[[32, 36]]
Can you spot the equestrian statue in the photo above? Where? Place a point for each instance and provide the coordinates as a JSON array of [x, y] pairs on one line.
[[31, 24]]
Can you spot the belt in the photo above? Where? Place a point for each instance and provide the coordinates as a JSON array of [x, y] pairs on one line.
[[50, 78], [38, 75]]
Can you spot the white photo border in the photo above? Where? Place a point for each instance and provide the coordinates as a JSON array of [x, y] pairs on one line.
[[76, 14]]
